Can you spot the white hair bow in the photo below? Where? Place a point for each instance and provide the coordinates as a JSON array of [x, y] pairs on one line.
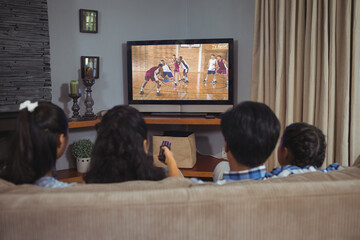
[[30, 106]]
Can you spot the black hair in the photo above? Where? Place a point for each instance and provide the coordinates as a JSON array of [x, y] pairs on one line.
[[118, 153], [180, 57], [33, 148], [306, 143], [160, 65], [251, 131], [218, 55]]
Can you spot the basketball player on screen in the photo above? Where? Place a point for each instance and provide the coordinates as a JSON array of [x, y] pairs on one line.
[[176, 69], [222, 68], [185, 66], [153, 74], [211, 68], [166, 70]]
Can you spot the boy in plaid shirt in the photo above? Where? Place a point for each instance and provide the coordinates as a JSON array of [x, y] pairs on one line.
[[251, 131]]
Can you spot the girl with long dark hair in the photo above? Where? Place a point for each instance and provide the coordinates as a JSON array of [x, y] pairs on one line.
[[120, 150], [40, 137]]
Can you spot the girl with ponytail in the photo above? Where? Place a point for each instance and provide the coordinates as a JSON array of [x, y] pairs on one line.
[[40, 137]]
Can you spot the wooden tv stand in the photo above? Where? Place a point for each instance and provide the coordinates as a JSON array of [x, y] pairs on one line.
[[203, 168], [158, 120]]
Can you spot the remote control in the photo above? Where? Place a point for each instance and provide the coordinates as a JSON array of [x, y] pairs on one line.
[[161, 153]]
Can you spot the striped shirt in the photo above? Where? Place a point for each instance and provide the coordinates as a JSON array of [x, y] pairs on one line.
[[50, 182], [256, 173], [288, 170]]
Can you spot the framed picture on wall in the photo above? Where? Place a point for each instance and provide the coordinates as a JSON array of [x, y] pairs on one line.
[[88, 21], [90, 67]]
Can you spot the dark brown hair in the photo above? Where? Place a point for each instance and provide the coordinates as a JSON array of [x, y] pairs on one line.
[[251, 130], [118, 153], [306, 143], [33, 147]]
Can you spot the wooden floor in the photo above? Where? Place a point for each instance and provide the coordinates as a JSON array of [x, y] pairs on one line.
[[196, 89]]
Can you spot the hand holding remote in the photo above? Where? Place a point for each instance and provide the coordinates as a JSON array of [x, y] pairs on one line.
[[167, 157], [161, 153]]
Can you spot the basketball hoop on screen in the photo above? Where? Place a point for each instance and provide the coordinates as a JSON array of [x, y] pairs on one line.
[[190, 45]]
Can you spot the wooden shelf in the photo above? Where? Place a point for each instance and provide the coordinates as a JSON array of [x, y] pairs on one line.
[[82, 124], [152, 120], [69, 175], [203, 168], [176, 120]]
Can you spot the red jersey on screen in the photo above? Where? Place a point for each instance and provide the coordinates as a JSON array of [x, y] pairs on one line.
[[176, 66], [150, 74], [222, 68]]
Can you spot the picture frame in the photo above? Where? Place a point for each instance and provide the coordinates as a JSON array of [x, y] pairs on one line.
[[90, 67], [88, 21]]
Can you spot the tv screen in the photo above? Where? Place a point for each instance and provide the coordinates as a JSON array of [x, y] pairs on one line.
[[180, 72]]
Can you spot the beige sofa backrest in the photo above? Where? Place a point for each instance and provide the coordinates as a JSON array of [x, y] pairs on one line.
[[178, 209]]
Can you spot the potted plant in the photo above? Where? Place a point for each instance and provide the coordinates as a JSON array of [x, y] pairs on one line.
[[81, 150]]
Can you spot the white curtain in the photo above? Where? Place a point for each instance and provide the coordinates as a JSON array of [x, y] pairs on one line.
[[306, 67]]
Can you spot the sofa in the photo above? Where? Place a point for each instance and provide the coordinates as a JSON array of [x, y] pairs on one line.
[[305, 206]]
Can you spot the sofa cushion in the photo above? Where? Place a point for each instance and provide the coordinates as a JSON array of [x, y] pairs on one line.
[[5, 184], [296, 210], [357, 162], [167, 183]]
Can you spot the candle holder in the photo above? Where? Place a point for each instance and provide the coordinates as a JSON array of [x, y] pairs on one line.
[[89, 102], [76, 116]]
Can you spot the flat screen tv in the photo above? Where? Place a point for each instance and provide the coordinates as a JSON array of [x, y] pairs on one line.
[[181, 76]]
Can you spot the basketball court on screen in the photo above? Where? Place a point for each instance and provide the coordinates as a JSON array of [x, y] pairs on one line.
[[196, 57]]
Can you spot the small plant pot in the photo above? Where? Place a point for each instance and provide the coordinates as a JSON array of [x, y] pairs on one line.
[[83, 164]]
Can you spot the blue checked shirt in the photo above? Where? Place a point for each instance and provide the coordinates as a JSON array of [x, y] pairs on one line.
[[256, 173], [287, 170], [50, 182]]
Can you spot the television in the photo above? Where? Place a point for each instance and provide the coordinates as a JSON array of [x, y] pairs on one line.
[[181, 76]]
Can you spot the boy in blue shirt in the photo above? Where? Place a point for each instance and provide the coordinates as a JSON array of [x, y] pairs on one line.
[[251, 131]]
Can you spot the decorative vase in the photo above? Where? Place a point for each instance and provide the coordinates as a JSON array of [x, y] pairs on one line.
[[83, 164], [89, 102]]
